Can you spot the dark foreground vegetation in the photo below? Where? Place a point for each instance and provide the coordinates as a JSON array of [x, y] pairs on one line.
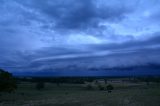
[[80, 91]]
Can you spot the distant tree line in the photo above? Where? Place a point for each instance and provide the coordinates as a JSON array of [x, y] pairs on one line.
[[72, 80], [82, 80]]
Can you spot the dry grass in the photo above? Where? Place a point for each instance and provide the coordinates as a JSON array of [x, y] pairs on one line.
[[76, 95]]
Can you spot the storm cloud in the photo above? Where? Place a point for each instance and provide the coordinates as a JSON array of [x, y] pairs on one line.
[[42, 35]]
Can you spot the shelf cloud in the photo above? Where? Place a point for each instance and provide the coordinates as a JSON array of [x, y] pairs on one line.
[[54, 35]]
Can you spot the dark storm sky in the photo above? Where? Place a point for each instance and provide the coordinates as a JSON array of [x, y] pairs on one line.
[[54, 35]]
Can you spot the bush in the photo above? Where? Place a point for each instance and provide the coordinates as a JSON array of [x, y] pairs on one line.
[[109, 88], [7, 82], [89, 87], [40, 85], [100, 87]]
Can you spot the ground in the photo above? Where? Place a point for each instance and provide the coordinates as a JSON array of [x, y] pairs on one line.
[[124, 94]]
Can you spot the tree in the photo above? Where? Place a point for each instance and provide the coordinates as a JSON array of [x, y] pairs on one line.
[[101, 87], [147, 81], [40, 85], [7, 82], [110, 88], [89, 87]]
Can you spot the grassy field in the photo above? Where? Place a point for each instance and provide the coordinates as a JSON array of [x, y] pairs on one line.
[[124, 94]]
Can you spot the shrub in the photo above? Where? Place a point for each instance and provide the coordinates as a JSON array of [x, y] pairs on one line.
[[100, 87], [89, 87], [7, 82], [40, 85], [109, 88]]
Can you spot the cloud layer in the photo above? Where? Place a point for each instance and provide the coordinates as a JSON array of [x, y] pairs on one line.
[[39, 35]]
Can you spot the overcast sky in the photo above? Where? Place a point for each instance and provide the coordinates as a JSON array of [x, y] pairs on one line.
[[55, 35]]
